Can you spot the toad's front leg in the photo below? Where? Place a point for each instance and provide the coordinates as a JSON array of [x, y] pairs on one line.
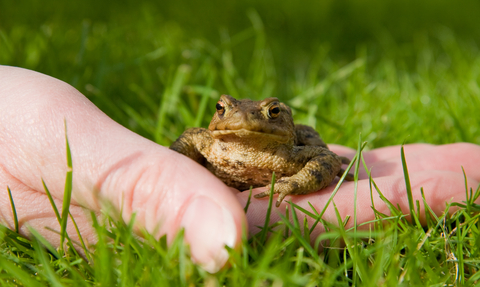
[[192, 143], [317, 174]]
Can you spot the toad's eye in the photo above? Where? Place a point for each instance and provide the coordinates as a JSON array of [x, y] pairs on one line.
[[274, 111], [220, 106]]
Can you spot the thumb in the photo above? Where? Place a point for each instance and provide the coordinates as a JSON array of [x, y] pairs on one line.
[[165, 190]]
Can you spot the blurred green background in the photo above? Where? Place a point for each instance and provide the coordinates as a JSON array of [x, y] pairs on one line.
[[391, 70]]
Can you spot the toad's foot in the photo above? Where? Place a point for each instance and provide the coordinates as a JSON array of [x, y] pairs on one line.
[[284, 187], [281, 188], [317, 174]]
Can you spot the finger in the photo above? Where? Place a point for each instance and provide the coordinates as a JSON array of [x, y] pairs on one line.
[[342, 150], [389, 152], [451, 157], [378, 154], [383, 158], [440, 187], [166, 190]]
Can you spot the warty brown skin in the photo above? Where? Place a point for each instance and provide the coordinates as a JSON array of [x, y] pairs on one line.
[[247, 141]]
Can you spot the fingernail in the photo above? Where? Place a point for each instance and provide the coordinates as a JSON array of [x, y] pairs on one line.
[[208, 228]]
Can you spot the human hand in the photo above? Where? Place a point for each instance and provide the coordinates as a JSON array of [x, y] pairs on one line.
[[114, 164], [166, 190], [438, 169]]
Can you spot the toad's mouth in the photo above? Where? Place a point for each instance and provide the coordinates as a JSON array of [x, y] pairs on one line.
[[243, 133]]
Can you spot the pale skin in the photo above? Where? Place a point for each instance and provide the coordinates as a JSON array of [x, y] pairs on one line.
[[169, 191]]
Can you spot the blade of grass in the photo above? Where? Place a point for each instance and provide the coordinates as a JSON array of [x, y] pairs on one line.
[[52, 203], [355, 189], [306, 231], [467, 196], [248, 200], [82, 242], [407, 183], [296, 223], [287, 216], [55, 209], [67, 194], [14, 210], [263, 236], [459, 254]]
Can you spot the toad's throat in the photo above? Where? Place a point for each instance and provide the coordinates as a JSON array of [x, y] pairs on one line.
[[243, 133]]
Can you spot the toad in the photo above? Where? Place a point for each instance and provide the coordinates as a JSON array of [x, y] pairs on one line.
[[247, 141]]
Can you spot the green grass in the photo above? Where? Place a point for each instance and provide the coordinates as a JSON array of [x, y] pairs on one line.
[[346, 69]]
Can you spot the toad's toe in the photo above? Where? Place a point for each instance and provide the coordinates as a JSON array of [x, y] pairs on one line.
[[262, 194], [280, 198]]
